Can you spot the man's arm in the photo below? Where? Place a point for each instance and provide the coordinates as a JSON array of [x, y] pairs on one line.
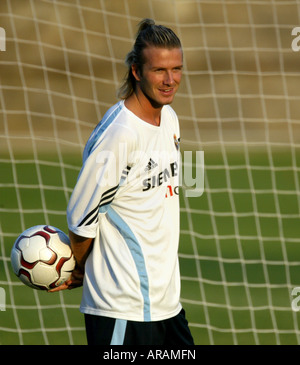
[[81, 247]]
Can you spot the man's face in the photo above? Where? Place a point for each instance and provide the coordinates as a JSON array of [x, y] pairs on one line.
[[161, 74]]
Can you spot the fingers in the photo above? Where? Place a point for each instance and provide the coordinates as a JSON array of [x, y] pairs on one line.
[[75, 281], [63, 286]]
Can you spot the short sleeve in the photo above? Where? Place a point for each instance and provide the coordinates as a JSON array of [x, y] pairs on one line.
[[102, 173]]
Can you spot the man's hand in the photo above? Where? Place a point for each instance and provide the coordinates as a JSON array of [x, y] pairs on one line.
[[75, 281]]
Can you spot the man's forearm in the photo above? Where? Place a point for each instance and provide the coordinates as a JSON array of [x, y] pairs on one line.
[[81, 247]]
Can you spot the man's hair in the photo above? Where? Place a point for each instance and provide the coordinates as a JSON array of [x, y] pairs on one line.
[[149, 34]]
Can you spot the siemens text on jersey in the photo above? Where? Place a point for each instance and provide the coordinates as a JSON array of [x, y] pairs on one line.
[[157, 169], [162, 177]]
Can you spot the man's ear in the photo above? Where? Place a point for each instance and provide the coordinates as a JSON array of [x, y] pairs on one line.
[[135, 72]]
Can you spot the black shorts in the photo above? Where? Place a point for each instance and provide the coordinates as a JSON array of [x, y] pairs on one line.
[[110, 331]]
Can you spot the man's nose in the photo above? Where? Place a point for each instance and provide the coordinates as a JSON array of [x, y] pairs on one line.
[[169, 79]]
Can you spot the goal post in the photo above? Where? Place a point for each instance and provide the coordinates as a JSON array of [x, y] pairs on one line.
[[239, 104]]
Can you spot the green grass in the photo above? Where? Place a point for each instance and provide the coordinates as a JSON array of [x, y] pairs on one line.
[[238, 265]]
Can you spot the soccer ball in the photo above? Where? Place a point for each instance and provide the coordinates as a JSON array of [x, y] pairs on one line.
[[42, 258]]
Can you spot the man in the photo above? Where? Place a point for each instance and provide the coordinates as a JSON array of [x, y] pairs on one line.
[[123, 215]]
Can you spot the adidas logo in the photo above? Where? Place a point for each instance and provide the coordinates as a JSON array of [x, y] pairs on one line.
[[151, 165]]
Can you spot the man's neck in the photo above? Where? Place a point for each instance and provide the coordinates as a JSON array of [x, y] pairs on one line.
[[143, 109]]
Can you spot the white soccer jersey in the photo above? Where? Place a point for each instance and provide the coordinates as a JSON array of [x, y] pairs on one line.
[[126, 198]]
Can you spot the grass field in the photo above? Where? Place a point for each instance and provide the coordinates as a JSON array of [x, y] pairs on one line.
[[239, 253]]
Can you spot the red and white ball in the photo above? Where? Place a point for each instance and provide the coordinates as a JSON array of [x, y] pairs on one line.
[[42, 258]]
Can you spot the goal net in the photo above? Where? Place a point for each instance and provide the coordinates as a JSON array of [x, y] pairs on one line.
[[239, 102]]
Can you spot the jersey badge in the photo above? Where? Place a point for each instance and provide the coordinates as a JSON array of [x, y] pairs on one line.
[[176, 141]]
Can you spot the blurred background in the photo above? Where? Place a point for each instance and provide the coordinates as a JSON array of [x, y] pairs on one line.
[[238, 102]]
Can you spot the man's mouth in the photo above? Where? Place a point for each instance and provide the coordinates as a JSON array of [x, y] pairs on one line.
[[166, 91]]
